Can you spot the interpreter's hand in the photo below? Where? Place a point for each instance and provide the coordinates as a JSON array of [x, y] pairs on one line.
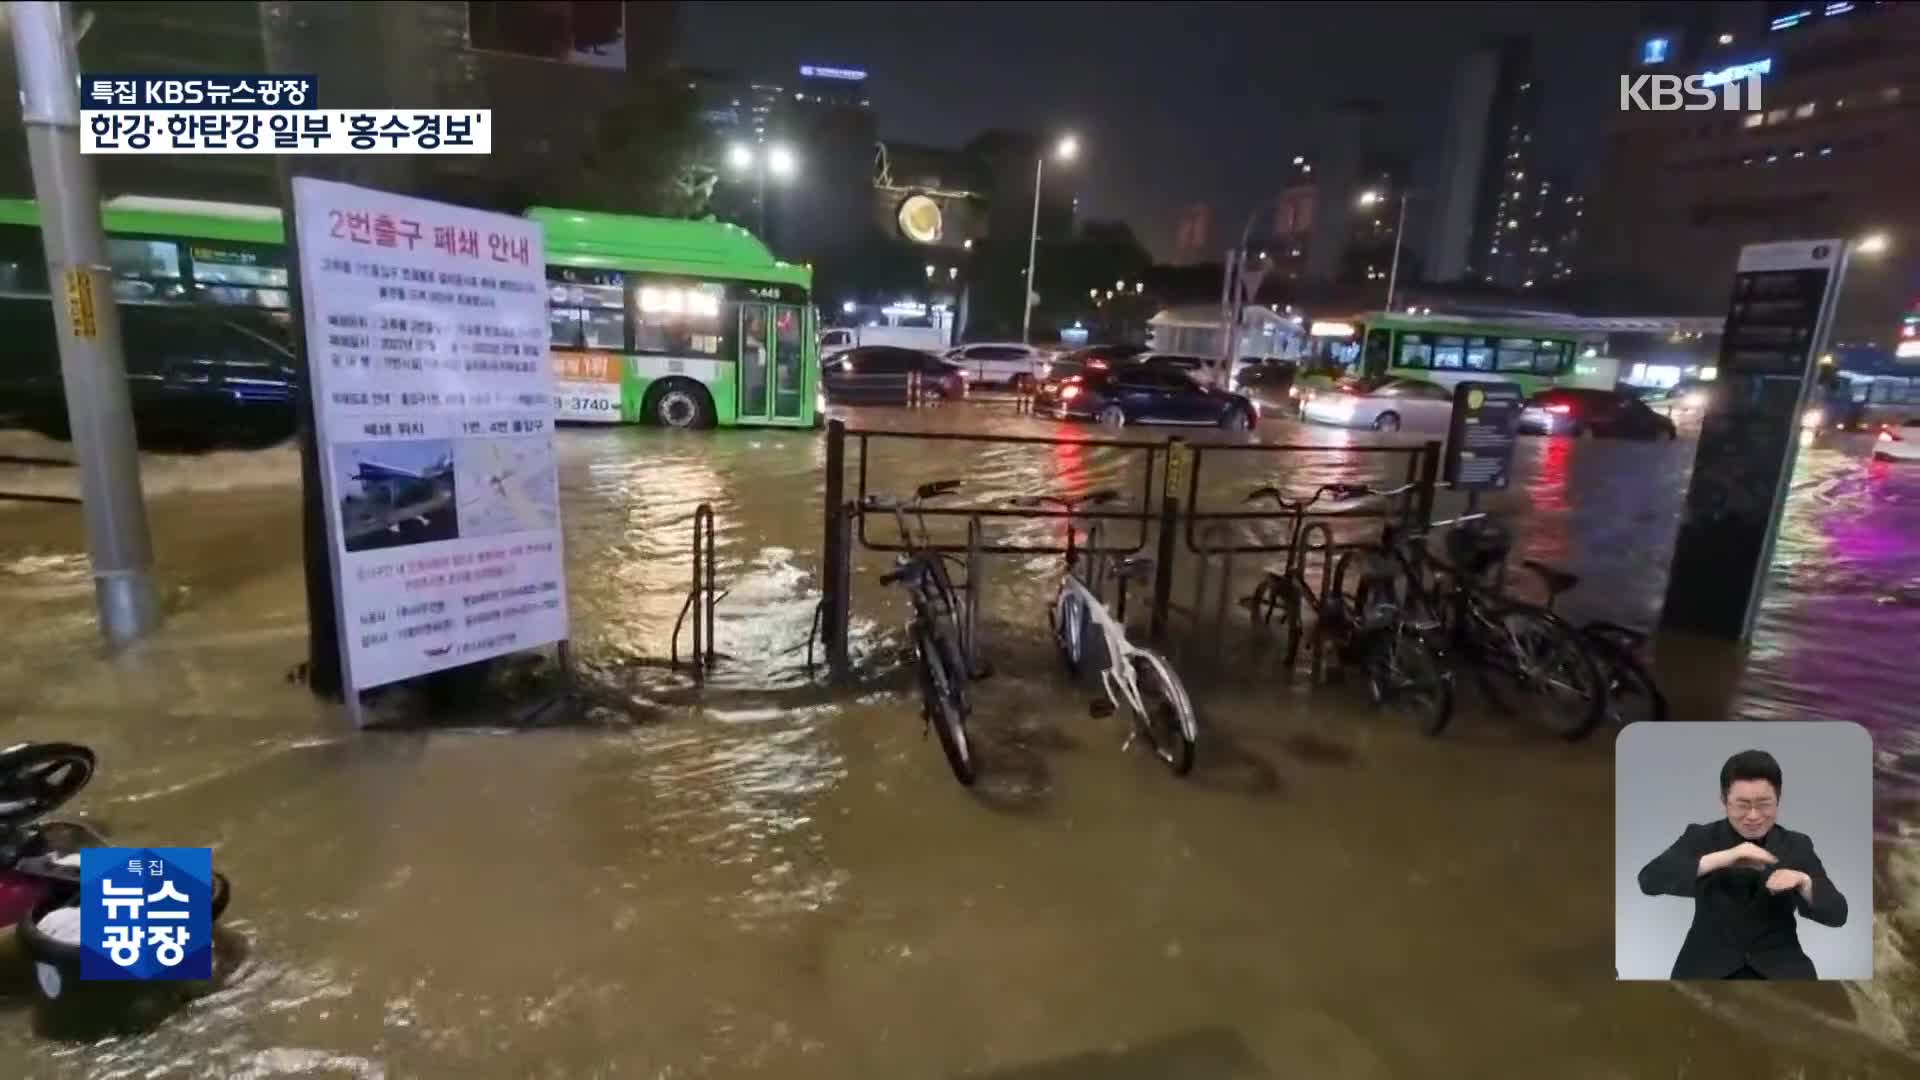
[[1783, 880], [1750, 854]]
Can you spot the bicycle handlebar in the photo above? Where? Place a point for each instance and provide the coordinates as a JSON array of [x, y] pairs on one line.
[[1068, 503], [1337, 490]]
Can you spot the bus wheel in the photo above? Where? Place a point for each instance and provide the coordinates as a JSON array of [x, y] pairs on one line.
[[680, 403]]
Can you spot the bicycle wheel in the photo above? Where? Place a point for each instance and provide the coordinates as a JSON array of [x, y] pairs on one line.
[[1404, 674], [1539, 655], [1169, 724], [1069, 618], [1632, 695], [945, 707]]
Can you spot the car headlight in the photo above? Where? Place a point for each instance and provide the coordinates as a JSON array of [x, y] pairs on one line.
[[1695, 400], [1812, 418]]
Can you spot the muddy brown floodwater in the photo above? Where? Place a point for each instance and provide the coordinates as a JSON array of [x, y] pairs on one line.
[[770, 878]]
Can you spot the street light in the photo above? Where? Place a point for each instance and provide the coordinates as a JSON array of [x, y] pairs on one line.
[[1369, 198], [929, 271], [778, 160], [1874, 243], [1065, 150]]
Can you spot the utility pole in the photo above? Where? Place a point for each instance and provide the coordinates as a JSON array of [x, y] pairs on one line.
[[1033, 249], [92, 367], [1399, 232]]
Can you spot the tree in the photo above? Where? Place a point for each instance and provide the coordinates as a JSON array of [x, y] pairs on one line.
[[644, 156]]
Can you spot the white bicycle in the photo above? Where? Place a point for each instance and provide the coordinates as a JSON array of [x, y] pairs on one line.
[[1141, 678]]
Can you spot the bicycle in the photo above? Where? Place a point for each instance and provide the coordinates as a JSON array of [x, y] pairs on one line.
[[1632, 695], [1141, 678], [1379, 630], [935, 628], [1530, 647]]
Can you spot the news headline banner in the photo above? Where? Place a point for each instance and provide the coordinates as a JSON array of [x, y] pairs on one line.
[[260, 114]]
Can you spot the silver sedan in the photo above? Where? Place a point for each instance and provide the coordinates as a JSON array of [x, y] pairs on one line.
[[1381, 404]]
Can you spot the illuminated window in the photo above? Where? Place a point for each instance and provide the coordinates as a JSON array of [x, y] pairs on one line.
[[1825, 151], [1754, 120], [1890, 95], [1801, 112], [1777, 116]]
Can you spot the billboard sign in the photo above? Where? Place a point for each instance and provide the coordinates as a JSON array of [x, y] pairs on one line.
[[1777, 317], [433, 402]]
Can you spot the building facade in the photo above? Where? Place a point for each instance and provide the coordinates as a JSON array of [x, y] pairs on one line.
[[1833, 151]]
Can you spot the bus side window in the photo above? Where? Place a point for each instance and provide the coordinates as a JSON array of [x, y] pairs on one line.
[[23, 265], [1516, 354], [1379, 351], [1415, 352], [1449, 352], [1479, 355], [1554, 358]]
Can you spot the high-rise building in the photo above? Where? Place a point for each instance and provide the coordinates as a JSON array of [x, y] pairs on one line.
[[1193, 238], [1832, 152], [1489, 138]]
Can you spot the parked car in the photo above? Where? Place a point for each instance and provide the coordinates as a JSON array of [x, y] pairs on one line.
[[1897, 443], [876, 374], [198, 376], [839, 339], [1381, 403], [1009, 363], [1565, 410], [1150, 394], [1056, 371]]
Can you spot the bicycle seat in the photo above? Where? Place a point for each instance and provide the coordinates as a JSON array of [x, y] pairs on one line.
[[1557, 581], [936, 488], [1068, 503], [1133, 569]]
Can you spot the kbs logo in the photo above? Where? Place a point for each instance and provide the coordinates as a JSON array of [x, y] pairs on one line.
[[1735, 89]]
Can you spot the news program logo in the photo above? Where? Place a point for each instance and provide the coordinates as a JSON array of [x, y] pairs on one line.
[[1733, 89], [146, 913], [259, 114]]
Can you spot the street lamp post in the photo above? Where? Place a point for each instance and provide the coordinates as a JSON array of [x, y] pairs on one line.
[[1369, 198], [1066, 150]]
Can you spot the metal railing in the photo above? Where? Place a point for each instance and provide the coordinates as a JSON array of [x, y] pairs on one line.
[[1169, 465], [702, 597]]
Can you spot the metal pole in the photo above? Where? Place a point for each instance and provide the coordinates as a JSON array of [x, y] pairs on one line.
[[1033, 251], [834, 562], [92, 367], [760, 199], [1399, 231]]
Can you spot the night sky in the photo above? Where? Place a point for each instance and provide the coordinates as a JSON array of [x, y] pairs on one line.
[[1175, 103]]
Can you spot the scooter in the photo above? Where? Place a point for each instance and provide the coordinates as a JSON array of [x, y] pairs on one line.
[[40, 862]]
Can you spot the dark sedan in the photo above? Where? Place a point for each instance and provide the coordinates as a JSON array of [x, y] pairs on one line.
[[1150, 394], [877, 375], [1609, 413], [1054, 374]]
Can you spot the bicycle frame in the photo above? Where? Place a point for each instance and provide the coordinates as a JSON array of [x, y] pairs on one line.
[[1120, 652]]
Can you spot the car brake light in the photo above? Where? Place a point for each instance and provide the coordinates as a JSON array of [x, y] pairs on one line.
[[1097, 365], [1561, 409], [1069, 392]]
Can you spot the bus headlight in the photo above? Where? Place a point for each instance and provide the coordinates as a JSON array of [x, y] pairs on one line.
[[819, 402]]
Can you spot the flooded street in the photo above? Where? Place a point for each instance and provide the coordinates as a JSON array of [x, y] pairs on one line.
[[768, 877]]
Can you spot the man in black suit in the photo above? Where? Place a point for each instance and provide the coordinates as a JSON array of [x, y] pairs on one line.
[[1747, 876]]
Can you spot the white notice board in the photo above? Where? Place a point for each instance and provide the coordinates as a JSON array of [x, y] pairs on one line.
[[433, 399]]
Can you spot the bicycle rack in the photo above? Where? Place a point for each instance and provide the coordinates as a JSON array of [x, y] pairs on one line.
[[702, 596]]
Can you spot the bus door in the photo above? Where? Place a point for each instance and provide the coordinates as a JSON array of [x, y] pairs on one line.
[[772, 363], [756, 361]]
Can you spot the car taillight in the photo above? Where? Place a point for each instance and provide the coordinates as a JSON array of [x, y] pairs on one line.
[[1069, 392], [1097, 365], [1561, 409]]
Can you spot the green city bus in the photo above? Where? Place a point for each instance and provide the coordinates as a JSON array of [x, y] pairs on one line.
[[680, 323], [683, 323], [1447, 350]]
